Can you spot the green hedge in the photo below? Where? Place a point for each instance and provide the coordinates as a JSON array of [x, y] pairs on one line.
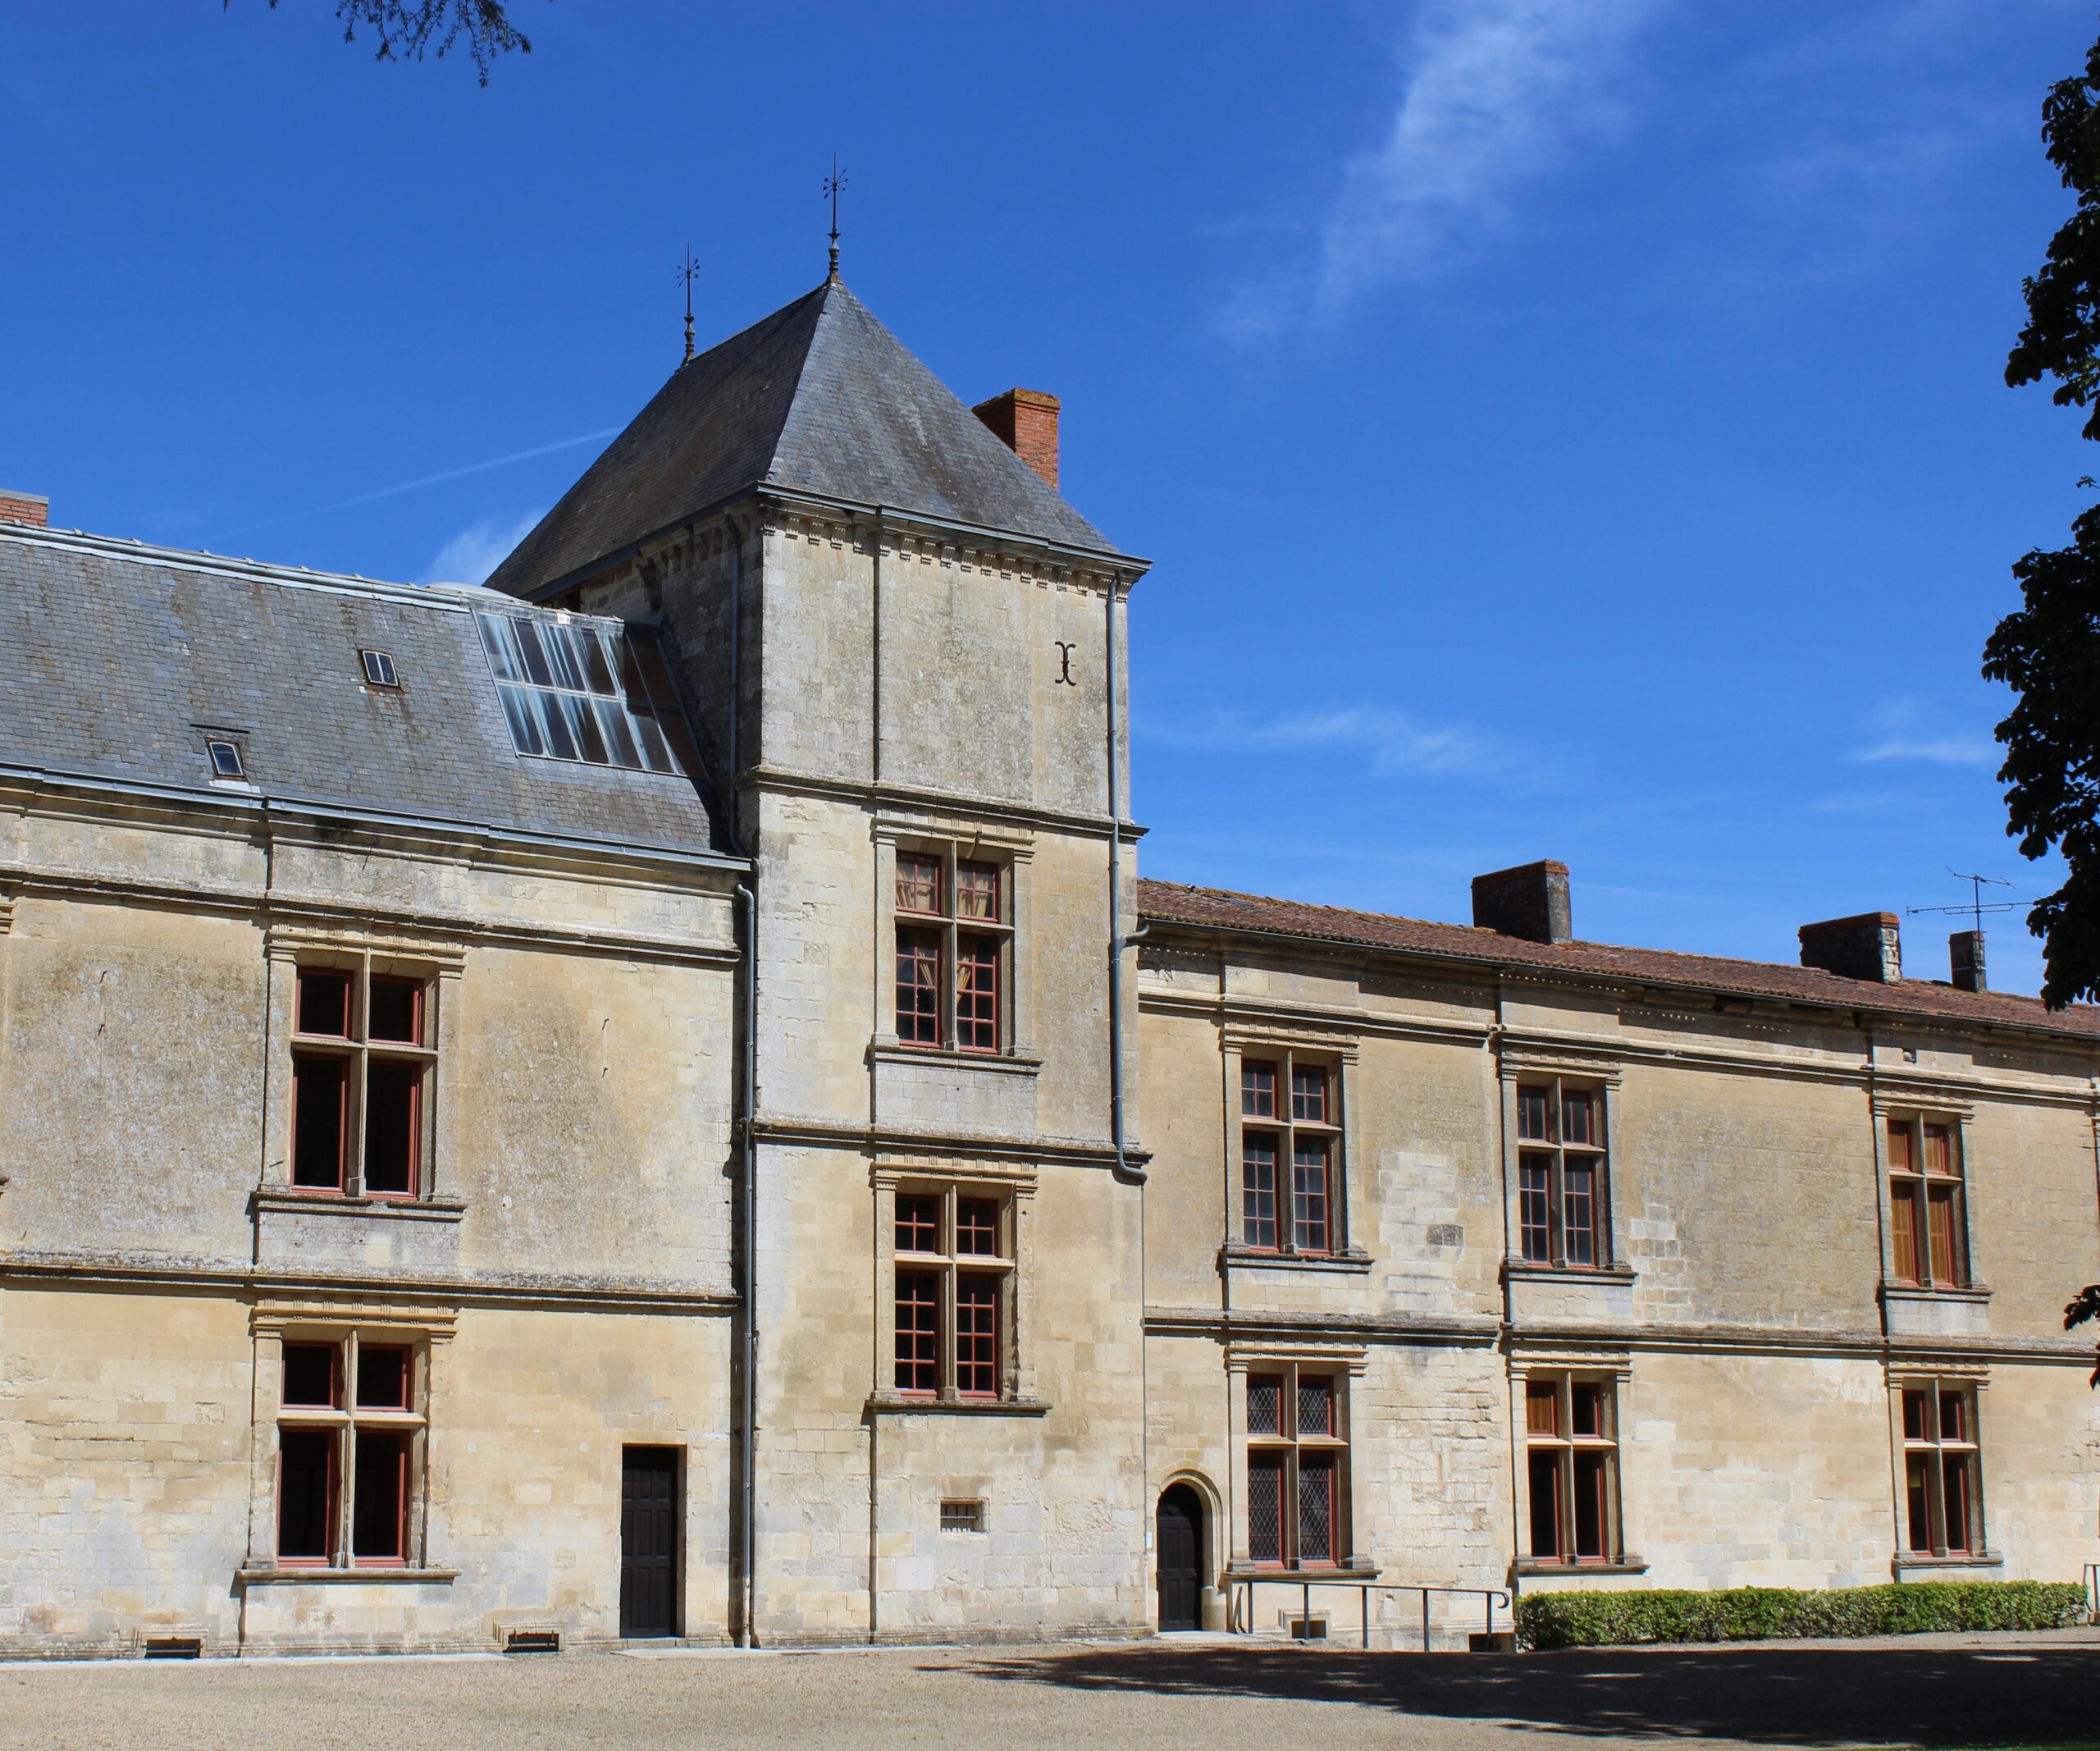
[[1749, 1614]]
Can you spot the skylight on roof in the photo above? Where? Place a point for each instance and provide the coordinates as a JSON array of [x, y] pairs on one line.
[[226, 758], [572, 690], [379, 670]]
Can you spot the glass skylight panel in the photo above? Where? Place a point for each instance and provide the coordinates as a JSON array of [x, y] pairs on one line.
[[575, 691]]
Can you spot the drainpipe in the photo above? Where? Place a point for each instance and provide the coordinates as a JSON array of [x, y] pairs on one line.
[[747, 1176], [1117, 941]]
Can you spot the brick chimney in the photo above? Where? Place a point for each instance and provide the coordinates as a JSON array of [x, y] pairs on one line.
[[1869, 946], [1964, 949], [31, 508], [1530, 902], [1025, 421]]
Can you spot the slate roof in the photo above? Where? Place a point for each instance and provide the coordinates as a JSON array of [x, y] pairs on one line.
[[817, 398], [1213, 908], [113, 654]]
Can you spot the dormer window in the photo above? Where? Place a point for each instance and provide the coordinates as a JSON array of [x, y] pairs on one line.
[[226, 758], [379, 670]]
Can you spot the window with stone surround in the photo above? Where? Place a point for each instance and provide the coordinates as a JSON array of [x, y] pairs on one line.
[[1942, 1479], [1290, 1152], [1571, 1452], [1562, 1179], [1297, 1467], [361, 1066], [1928, 1227], [954, 950], [350, 1432], [954, 1292]]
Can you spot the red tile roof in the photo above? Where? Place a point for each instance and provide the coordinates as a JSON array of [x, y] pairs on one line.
[[1245, 914]]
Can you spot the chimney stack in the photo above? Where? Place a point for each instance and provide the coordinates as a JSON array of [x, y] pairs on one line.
[[1530, 900], [1025, 421], [31, 508], [1965, 949], [1869, 946]]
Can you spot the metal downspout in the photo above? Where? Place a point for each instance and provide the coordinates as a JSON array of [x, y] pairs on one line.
[[1117, 941], [748, 1178]]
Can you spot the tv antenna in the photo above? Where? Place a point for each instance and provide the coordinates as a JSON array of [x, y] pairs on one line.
[[1977, 905], [831, 185], [689, 273]]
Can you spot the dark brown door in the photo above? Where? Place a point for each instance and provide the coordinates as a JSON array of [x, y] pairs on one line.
[[1179, 1548], [649, 1541]]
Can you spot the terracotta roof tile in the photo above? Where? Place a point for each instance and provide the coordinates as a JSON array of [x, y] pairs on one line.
[[1213, 908]]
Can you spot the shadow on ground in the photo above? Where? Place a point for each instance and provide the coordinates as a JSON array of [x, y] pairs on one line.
[[1791, 1696]]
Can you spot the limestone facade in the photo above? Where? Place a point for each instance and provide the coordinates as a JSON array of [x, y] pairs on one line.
[[1421, 1255]]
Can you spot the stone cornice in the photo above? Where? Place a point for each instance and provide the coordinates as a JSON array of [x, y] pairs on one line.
[[939, 808], [322, 917], [484, 1288], [895, 1141]]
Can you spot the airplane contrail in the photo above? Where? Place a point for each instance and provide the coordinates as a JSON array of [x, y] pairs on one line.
[[427, 480]]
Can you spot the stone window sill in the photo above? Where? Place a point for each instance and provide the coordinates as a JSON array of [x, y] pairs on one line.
[[892, 1403], [1354, 1573], [1234, 1256], [272, 1573], [1982, 1559], [1912, 1292], [888, 1051], [1544, 1565], [333, 1204], [1523, 1270]]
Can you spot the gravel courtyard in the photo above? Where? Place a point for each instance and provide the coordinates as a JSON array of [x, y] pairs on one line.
[[1937, 1690]]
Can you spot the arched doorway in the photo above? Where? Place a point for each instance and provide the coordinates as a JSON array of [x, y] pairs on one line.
[[1178, 1547]]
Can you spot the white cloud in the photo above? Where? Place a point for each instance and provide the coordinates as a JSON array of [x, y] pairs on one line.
[[1939, 751], [1495, 94], [1395, 743], [474, 552], [1904, 730]]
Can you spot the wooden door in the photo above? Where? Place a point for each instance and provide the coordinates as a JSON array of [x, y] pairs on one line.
[[649, 1541], [1180, 1549]]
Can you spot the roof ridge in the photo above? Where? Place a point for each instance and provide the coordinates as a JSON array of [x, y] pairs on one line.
[[1547, 954]]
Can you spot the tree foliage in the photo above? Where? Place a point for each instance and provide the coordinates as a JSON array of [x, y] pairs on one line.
[[2048, 651], [409, 29], [2085, 1306]]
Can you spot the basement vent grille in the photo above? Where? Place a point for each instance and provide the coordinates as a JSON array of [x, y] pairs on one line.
[[174, 1648], [532, 1641]]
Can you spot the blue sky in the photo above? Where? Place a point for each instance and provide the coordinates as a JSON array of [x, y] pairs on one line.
[[1562, 428]]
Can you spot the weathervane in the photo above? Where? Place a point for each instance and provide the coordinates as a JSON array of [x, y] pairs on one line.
[[1978, 905], [831, 185], [689, 273]]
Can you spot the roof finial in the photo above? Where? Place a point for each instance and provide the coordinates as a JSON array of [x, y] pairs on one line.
[[689, 273], [831, 185]]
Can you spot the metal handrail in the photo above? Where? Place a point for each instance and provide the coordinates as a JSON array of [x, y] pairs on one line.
[[1242, 1623]]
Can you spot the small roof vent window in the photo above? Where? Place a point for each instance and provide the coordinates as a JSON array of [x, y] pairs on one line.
[[379, 668], [226, 758]]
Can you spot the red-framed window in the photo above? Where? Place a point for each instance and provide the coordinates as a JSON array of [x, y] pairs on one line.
[[919, 1332], [1561, 1214], [1297, 1469], [954, 1292], [361, 1067], [349, 1434], [1927, 1219], [918, 1223], [1572, 1465], [1942, 1468], [977, 1336], [1299, 1131], [954, 942]]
